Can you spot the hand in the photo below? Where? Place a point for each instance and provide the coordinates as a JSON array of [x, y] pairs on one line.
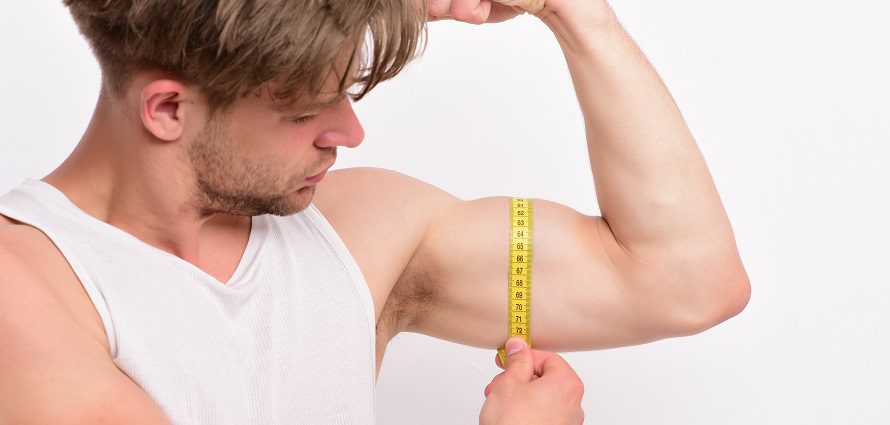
[[537, 388], [481, 11]]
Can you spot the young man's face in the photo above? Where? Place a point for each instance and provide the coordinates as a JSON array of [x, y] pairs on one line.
[[255, 160]]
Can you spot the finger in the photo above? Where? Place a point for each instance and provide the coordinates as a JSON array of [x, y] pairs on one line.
[[580, 416], [540, 357], [431, 18], [557, 374], [491, 385], [501, 13], [438, 9], [520, 364], [497, 361], [552, 364], [531, 6], [471, 11]]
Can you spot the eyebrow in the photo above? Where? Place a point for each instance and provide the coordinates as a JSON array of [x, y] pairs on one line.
[[325, 105], [318, 106], [353, 81]]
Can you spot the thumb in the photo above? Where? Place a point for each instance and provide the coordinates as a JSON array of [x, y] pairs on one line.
[[520, 364], [531, 6]]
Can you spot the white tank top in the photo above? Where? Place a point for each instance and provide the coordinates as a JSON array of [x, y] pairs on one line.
[[288, 340]]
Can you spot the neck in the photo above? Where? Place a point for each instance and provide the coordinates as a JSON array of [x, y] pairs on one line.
[[117, 175]]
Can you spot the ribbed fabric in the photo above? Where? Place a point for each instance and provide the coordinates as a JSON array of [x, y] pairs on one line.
[[288, 340]]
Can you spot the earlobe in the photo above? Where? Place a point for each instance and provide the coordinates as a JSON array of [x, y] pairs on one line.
[[161, 109]]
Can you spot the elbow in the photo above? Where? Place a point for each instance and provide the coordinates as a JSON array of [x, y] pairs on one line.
[[743, 295], [737, 298], [722, 300]]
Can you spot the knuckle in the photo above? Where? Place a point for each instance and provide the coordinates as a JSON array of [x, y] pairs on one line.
[[497, 379], [579, 386], [575, 390], [462, 14], [438, 7]]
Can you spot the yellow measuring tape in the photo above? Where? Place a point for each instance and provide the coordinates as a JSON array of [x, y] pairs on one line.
[[520, 273]]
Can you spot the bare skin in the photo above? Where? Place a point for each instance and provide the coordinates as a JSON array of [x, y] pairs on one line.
[[535, 388], [661, 261]]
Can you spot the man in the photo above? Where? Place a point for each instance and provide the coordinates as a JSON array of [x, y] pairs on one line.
[[192, 262]]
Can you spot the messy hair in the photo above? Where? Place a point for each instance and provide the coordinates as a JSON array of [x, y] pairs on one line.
[[232, 48]]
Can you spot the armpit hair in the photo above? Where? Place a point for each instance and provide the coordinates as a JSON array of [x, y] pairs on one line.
[[412, 298]]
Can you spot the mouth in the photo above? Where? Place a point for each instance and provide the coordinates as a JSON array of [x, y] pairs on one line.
[[318, 177]]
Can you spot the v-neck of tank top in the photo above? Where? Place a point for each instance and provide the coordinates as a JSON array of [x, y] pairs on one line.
[[258, 232]]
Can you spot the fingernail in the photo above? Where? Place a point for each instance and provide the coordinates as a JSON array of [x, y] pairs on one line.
[[514, 345]]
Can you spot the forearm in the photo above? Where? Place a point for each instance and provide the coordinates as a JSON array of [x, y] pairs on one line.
[[652, 184]]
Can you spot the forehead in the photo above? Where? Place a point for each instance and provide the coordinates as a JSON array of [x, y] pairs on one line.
[[347, 68], [330, 93]]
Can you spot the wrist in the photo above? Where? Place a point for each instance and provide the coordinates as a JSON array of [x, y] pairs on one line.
[[578, 23]]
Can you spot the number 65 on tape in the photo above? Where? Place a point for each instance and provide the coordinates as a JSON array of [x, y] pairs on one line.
[[519, 277]]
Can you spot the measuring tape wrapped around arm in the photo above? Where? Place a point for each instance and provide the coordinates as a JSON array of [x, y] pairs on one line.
[[520, 274]]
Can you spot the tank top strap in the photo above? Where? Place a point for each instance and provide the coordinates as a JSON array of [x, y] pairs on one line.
[[42, 206]]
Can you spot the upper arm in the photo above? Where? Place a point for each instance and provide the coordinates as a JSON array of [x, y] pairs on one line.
[[51, 369], [587, 290]]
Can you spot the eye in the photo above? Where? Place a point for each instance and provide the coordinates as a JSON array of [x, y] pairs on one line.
[[303, 119]]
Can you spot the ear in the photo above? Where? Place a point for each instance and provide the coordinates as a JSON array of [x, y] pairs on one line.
[[164, 106]]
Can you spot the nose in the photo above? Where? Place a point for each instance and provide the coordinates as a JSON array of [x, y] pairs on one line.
[[345, 128]]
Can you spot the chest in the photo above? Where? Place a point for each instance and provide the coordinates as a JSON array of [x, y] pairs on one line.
[[381, 251]]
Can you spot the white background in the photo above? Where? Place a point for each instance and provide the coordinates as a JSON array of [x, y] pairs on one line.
[[790, 104]]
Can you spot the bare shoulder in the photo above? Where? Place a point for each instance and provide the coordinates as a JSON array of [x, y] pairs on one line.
[[33, 270], [53, 370], [378, 190], [28, 254], [378, 210], [382, 216], [375, 210], [18, 243]]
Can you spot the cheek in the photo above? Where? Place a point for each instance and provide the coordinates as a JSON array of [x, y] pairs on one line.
[[298, 142], [281, 151], [286, 141]]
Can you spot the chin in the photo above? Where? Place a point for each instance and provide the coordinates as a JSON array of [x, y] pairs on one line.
[[300, 199]]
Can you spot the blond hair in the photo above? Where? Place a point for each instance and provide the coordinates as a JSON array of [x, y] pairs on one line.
[[231, 48]]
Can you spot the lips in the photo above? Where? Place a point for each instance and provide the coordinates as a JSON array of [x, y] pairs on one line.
[[317, 178], [324, 170]]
